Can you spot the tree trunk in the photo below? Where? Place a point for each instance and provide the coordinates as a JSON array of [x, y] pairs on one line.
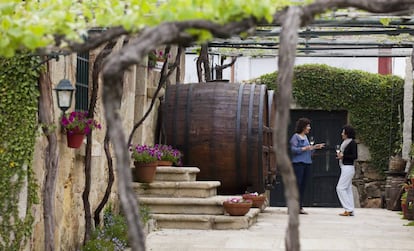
[[112, 93], [203, 63], [51, 160], [97, 67], [288, 42], [111, 179], [219, 68]]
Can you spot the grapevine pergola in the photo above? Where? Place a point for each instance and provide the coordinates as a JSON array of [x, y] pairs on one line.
[[343, 34]]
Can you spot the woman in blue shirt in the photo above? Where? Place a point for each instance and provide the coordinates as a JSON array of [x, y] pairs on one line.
[[301, 154]]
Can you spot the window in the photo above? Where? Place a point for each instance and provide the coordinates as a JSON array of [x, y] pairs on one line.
[[82, 82]]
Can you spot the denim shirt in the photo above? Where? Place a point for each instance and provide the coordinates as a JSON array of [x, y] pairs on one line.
[[296, 144]]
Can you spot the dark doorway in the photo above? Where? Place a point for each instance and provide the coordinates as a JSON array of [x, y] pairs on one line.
[[321, 185]]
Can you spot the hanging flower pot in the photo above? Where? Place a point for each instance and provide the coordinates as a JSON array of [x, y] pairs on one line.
[[77, 125], [144, 172], [75, 138], [158, 65]]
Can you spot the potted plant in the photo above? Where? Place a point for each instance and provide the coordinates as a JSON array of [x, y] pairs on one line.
[[237, 206], [156, 59], [169, 156], [77, 125], [145, 161], [407, 200], [256, 198]]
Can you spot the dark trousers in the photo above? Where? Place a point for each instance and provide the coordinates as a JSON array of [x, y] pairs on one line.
[[302, 171]]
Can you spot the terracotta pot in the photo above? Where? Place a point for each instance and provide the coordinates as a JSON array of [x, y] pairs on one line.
[[164, 163], [237, 209], [258, 200], [404, 210], [75, 138], [144, 172]]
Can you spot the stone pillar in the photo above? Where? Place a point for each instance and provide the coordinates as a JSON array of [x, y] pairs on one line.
[[408, 108]]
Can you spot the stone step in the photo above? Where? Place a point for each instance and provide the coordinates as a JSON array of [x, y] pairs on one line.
[[159, 205], [195, 189], [172, 173], [206, 222]]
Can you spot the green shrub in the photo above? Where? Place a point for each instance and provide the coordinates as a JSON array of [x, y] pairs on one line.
[[113, 235], [373, 102]]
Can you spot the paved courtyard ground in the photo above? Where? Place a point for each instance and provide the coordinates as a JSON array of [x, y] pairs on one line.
[[322, 229]]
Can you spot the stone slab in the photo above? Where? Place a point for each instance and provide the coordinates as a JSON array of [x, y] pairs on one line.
[[196, 189], [166, 173], [172, 221], [211, 205]]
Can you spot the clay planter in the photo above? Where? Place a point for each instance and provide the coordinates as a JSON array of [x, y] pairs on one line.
[[404, 210], [237, 209], [258, 200], [144, 172], [164, 163], [75, 138]]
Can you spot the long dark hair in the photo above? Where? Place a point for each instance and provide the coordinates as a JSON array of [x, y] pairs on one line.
[[301, 124]]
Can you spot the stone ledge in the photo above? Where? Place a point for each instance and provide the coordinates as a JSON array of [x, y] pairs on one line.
[[165, 173], [206, 222], [157, 205], [180, 184], [197, 189], [174, 169]]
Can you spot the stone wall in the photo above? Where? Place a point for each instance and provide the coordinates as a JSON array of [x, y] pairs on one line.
[[369, 183], [69, 210]]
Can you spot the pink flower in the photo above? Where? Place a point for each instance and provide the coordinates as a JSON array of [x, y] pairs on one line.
[[78, 121]]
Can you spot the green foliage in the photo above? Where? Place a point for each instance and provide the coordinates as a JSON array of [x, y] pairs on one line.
[[372, 101], [113, 235], [18, 127], [144, 212], [34, 24]]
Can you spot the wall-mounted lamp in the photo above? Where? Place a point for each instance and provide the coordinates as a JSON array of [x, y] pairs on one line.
[[64, 91]]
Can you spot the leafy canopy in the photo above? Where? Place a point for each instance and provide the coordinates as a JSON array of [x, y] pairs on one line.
[[34, 24]]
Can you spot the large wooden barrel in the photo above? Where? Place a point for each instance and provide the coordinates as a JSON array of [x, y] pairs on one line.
[[393, 186], [222, 128]]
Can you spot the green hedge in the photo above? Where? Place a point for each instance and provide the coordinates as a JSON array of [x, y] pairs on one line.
[[18, 127], [373, 102]]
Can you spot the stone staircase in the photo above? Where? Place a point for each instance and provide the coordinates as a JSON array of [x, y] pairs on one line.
[[176, 200]]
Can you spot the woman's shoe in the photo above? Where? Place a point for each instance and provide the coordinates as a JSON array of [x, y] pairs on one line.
[[301, 211], [347, 214]]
